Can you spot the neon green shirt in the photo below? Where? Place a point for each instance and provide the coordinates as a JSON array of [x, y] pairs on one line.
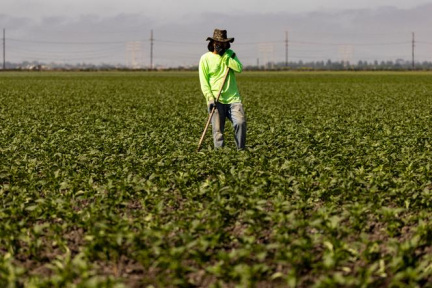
[[212, 68]]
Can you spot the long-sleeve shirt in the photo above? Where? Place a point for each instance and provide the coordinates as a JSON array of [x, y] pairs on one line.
[[212, 68]]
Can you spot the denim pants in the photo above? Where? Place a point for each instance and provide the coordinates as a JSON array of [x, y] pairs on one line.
[[235, 113]]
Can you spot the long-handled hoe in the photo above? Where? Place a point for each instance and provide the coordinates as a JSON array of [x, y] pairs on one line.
[[213, 110]]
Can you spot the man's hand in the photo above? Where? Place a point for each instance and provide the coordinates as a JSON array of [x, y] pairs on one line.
[[212, 104], [219, 49], [229, 54]]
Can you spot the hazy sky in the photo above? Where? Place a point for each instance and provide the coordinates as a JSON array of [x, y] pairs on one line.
[[95, 31], [162, 10]]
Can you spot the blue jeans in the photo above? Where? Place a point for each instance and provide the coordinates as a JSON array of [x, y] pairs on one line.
[[235, 113]]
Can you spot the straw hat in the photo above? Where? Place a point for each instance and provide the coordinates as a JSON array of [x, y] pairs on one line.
[[220, 36]]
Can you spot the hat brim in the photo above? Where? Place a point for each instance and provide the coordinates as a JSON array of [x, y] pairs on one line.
[[231, 40]]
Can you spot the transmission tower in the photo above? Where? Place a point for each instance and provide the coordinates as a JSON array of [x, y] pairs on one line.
[[151, 49], [413, 50], [134, 55], [346, 53], [266, 49]]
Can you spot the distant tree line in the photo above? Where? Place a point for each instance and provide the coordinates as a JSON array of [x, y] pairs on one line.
[[398, 65], [341, 65], [39, 66]]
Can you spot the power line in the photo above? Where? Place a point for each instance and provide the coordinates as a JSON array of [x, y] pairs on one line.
[[352, 33], [354, 44], [424, 42], [302, 49], [65, 43], [178, 42], [198, 43], [90, 32], [63, 52], [59, 58]]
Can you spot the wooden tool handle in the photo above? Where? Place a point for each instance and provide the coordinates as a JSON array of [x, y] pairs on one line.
[[213, 110]]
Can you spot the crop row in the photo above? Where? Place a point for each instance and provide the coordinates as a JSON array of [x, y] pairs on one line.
[[100, 184]]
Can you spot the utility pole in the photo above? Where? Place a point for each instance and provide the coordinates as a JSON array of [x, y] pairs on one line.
[[4, 49], [151, 50], [286, 48], [413, 47]]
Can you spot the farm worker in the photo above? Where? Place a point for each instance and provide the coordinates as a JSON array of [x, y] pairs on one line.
[[212, 68]]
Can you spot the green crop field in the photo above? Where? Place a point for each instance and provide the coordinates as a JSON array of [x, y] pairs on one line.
[[101, 184]]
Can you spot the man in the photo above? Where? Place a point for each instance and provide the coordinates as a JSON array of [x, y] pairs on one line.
[[212, 68]]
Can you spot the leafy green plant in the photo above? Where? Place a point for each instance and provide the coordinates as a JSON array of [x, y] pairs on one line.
[[101, 185]]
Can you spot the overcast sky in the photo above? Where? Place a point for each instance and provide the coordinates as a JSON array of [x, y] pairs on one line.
[[95, 31], [162, 10]]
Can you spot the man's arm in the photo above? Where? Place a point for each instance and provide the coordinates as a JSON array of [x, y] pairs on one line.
[[204, 81], [232, 61]]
